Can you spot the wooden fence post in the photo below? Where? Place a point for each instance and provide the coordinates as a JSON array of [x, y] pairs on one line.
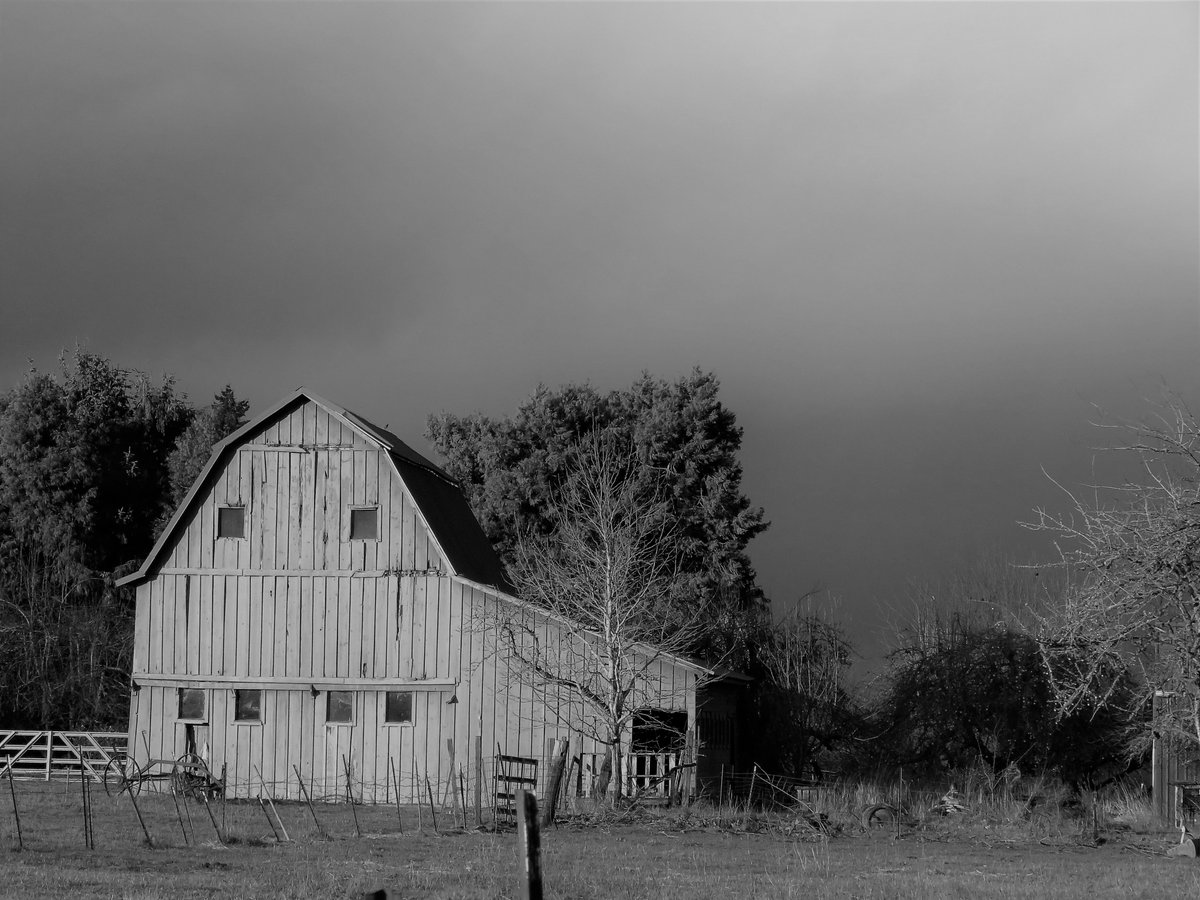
[[145, 830], [558, 763], [16, 815], [179, 815], [211, 817], [432, 812], [271, 802], [531, 848], [308, 800], [478, 781], [87, 811], [350, 795], [395, 778], [452, 787]]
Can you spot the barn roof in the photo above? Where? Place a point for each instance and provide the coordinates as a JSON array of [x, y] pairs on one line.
[[437, 496]]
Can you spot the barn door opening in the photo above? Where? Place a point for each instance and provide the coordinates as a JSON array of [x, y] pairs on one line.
[[657, 741]]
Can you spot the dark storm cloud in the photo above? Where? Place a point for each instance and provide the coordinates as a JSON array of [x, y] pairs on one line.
[[914, 240]]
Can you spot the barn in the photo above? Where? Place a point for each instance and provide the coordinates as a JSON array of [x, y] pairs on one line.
[[309, 611]]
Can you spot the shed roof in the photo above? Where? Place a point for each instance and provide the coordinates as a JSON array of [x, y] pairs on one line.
[[437, 497]]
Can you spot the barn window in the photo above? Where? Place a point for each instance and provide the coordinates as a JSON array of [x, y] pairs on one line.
[[398, 708], [231, 522], [247, 706], [339, 708], [191, 705], [364, 523]]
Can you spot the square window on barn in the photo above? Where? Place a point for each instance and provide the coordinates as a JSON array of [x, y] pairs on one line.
[[339, 708], [247, 706], [398, 708], [364, 523], [231, 522], [191, 705]]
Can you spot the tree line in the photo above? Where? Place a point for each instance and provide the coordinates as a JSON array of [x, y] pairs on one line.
[[623, 511], [93, 459]]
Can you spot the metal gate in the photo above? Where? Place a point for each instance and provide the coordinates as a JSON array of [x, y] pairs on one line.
[[47, 755]]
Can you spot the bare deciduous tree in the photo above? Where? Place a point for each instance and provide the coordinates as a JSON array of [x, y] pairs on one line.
[[805, 656], [605, 600], [1133, 602]]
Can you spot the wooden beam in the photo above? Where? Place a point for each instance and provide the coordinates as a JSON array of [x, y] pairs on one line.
[[263, 682]]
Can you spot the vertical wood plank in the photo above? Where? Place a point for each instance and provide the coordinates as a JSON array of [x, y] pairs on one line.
[[382, 602], [387, 558], [246, 616], [208, 529], [421, 543], [342, 629], [225, 593], [195, 534], [353, 625], [246, 496], [331, 510], [329, 662], [283, 512], [405, 639], [307, 626], [389, 600], [141, 624], [418, 629], [446, 640], [297, 512], [321, 636], [294, 751], [408, 555], [262, 649], [269, 461], [346, 472], [157, 625], [207, 627], [307, 735], [296, 625]]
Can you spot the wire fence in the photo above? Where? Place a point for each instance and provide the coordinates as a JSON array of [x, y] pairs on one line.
[[759, 788]]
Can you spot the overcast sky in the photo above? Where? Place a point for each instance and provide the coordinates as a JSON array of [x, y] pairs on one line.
[[915, 241]]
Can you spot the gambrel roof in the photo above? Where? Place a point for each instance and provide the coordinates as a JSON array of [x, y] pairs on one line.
[[437, 497]]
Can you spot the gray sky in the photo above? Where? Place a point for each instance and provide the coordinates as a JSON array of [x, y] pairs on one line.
[[914, 240]]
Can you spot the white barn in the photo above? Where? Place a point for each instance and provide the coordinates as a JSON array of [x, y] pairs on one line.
[[309, 602]]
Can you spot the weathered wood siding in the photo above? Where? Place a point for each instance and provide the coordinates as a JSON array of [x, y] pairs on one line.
[[296, 608]]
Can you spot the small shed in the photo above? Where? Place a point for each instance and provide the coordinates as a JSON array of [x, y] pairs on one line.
[[1174, 768]]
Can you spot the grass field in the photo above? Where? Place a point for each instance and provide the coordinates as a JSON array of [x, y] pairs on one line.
[[671, 854]]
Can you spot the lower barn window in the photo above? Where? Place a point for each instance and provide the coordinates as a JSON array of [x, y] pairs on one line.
[[247, 706], [398, 708], [191, 704], [339, 708]]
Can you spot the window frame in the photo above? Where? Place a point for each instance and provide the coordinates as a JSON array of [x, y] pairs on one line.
[[221, 507], [237, 702], [191, 720], [341, 723], [360, 508], [399, 723]]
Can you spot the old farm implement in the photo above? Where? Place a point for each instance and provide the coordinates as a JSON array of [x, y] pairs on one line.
[[188, 775]]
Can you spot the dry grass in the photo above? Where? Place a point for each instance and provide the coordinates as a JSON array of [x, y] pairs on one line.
[[991, 849]]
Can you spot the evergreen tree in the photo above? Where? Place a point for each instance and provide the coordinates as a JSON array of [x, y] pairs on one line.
[[685, 444]]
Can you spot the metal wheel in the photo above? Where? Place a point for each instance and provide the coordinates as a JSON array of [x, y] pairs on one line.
[[122, 774], [881, 815], [190, 776]]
